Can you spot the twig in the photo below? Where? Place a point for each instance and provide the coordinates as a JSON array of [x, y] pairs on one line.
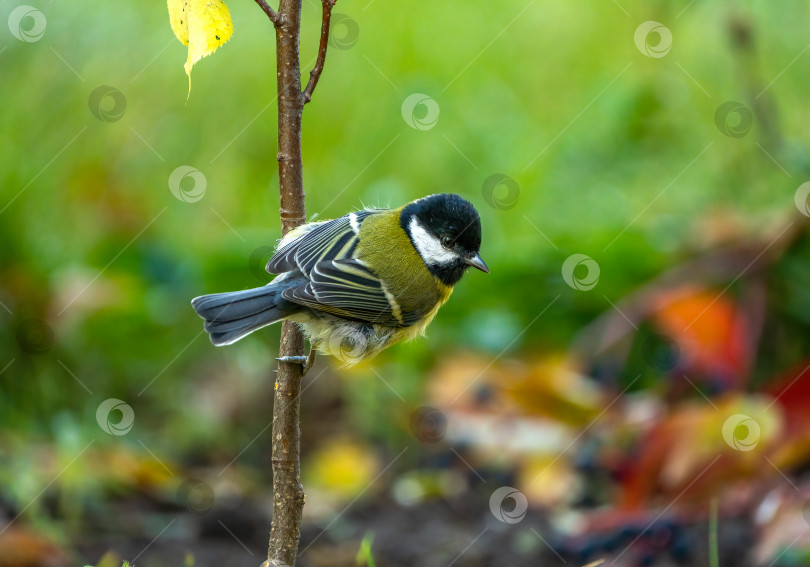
[[274, 16], [315, 74], [288, 494]]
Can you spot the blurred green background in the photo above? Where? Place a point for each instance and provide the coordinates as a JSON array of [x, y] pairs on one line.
[[610, 153]]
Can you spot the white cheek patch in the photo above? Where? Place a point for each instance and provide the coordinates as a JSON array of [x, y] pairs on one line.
[[429, 247]]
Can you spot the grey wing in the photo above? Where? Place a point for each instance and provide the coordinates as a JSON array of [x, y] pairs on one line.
[[349, 289], [329, 240]]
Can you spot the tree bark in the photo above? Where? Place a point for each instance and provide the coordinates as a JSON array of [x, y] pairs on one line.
[[288, 493]]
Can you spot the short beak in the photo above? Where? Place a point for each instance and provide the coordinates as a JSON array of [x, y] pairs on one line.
[[477, 262]]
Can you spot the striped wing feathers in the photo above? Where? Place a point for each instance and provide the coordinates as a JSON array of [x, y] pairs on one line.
[[329, 240], [348, 289], [339, 284]]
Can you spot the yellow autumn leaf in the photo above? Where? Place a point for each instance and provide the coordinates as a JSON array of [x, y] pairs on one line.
[[203, 25], [341, 467]]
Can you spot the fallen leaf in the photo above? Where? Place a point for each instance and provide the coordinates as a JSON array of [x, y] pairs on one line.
[[202, 25], [698, 449], [547, 480], [711, 331], [785, 526], [342, 467], [21, 547]]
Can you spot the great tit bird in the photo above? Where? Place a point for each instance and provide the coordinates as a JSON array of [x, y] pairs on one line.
[[360, 283]]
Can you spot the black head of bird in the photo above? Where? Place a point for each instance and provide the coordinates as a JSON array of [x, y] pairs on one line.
[[446, 231]]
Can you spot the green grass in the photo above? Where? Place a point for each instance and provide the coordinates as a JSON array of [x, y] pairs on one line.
[[364, 556]]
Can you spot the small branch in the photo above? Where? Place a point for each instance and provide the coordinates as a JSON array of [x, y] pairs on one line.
[[288, 494], [315, 74], [274, 16]]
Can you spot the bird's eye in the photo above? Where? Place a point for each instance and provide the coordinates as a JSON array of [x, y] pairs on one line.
[[447, 242]]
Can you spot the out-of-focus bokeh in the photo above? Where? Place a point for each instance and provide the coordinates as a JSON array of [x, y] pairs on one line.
[[631, 383]]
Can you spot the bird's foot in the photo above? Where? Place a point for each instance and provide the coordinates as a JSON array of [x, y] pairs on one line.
[[305, 361], [293, 359]]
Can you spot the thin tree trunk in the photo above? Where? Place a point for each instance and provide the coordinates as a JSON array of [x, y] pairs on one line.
[[288, 493]]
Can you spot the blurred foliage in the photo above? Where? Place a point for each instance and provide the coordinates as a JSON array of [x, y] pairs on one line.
[[364, 556], [616, 155]]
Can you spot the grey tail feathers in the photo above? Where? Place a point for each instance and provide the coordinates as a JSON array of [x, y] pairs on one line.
[[233, 315]]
